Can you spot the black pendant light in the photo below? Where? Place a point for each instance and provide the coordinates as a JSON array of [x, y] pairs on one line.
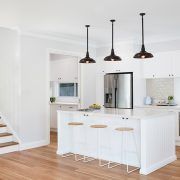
[[143, 54], [87, 59], [112, 56]]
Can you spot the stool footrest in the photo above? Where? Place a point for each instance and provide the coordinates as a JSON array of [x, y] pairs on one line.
[[132, 170], [88, 159], [78, 159], [101, 165], [67, 155], [115, 164]]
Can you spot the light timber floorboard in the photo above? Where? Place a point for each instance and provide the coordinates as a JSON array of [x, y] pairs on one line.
[[44, 164]]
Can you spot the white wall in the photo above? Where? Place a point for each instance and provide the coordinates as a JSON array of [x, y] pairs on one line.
[[24, 87], [10, 76], [35, 85]]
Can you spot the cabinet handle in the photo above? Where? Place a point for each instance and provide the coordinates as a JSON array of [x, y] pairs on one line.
[[70, 107]]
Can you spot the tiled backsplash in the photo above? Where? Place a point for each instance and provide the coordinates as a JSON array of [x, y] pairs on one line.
[[160, 89]]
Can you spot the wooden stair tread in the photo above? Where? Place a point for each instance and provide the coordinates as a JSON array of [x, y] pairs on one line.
[[5, 134], [8, 144], [2, 125]]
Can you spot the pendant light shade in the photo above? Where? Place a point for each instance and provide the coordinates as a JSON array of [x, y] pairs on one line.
[[87, 59], [143, 54], [112, 56]]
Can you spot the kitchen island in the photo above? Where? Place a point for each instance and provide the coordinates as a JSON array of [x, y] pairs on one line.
[[154, 135]]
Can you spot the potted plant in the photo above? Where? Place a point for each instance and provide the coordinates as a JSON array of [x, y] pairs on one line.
[[52, 99], [171, 99]]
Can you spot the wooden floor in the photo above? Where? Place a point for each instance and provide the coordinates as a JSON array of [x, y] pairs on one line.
[[43, 163]]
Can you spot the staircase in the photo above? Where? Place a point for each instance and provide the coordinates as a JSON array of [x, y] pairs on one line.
[[8, 142]]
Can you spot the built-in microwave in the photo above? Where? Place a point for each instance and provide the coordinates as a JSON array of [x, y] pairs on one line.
[[68, 89]]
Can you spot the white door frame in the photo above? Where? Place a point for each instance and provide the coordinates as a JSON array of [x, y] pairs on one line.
[[69, 53]]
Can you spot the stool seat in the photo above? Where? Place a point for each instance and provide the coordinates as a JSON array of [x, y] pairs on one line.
[[98, 126], [124, 129], [75, 123]]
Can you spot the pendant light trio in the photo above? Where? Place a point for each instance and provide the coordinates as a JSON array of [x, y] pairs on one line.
[[112, 57]]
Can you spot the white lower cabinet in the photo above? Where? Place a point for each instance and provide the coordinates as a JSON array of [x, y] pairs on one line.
[[178, 129], [53, 113]]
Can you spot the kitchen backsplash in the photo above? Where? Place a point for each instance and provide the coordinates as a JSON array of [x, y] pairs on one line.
[[160, 89]]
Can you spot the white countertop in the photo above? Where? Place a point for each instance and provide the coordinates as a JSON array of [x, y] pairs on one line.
[[137, 113], [176, 108], [64, 103]]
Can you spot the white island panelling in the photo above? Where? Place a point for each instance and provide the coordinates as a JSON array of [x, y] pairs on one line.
[[154, 135]]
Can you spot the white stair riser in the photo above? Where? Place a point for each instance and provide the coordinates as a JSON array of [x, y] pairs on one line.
[[9, 149], [3, 129], [6, 139]]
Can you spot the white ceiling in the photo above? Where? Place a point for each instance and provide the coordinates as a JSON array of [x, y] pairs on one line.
[[66, 18]]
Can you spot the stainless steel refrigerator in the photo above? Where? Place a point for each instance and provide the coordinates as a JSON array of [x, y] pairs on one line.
[[118, 90]]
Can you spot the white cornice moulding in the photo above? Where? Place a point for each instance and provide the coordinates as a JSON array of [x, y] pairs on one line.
[[59, 39], [135, 42]]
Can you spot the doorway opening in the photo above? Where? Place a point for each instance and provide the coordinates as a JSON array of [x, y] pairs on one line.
[[64, 86]]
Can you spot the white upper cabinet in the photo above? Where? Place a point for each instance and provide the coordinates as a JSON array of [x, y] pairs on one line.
[[163, 65], [176, 64], [130, 65], [65, 70]]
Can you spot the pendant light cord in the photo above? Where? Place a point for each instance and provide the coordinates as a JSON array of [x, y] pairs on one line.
[[112, 33], [87, 53], [87, 40], [142, 30], [142, 14]]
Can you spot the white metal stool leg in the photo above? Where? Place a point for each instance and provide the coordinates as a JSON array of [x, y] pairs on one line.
[[98, 127], [127, 165], [86, 158], [99, 150], [74, 149], [134, 140], [115, 164], [124, 131]]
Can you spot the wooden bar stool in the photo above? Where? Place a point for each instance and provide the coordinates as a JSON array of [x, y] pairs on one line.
[[125, 130], [99, 127], [73, 125]]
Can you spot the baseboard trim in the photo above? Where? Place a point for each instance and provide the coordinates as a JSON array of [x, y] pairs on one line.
[[177, 143], [53, 129], [34, 144], [146, 171]]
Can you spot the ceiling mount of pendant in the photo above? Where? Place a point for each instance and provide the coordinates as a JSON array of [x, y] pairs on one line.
[[112, 56], [87, 59], [143, 54]]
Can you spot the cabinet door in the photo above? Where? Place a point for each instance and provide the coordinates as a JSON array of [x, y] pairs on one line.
[[59, 72], [149, 68], [53, 115], [129, 65], [176, 64], [158, 67], [68, 107], [164, 64], [113, 66]]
